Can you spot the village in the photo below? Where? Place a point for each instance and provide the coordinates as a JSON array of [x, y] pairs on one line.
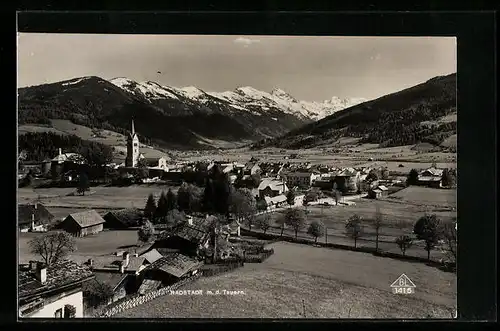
[[209, 217]]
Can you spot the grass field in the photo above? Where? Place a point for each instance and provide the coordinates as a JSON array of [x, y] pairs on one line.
[[103, 243], [322, 283], [134, 196]]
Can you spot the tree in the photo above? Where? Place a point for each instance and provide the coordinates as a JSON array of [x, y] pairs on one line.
[[354, 228], [337, 195], [385, 173], [53, 246], [96, 293], [83, 183], [290, 197], [449, 233], [316, 229], [311, 196], [150, 208], [281, 221], [171, 200], [255, 180], [175, 217], [377, 224], [296, 219], [263, 222], [161, 209], [243, 205], [404, 242], [146, 232], [372, 176], [184, 197], [427, 228], [447, 178], [261, 205], [412, 177]]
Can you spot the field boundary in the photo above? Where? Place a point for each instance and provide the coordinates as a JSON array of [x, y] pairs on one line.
[[276, 237], [137, 299]]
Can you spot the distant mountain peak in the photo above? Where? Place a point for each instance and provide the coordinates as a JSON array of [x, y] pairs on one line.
[[279, 93]]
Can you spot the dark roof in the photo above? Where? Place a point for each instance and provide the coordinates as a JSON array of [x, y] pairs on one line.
[[128, 217], [176, 264], [58, 275], [25, 212], [112, 279], [195, 233], [87, 218]]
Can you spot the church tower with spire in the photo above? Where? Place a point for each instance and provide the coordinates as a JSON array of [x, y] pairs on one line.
[[132, 148]]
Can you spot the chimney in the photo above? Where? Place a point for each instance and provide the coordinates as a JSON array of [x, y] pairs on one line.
[[41, 273], [60, 151], [126, 259]]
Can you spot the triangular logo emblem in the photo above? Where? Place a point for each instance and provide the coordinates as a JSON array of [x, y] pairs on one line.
[[403, 281]]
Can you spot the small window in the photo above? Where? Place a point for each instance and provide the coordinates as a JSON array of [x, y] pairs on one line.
[[59, 313], [135, 144]]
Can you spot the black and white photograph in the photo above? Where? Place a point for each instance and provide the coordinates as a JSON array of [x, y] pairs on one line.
[[177, 176]]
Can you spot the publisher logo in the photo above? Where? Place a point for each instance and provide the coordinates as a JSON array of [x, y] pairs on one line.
[[403, 285]]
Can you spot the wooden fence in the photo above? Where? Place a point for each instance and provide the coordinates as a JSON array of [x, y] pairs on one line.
[[137, 299]]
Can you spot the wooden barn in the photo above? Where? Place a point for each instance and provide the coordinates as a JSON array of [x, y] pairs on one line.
[[123, 218], [83, 223]]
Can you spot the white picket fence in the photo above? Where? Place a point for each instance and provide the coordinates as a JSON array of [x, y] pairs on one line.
[[138, 299]]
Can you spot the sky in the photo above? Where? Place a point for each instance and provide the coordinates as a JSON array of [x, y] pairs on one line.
[[309, 68]]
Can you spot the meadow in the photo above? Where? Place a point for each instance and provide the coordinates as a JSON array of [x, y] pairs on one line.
[[322, 283]]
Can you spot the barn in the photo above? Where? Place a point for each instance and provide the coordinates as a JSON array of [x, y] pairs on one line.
[[83, 223], [123, 218]]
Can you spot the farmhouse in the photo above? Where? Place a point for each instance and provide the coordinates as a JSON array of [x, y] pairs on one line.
[[33, 217], [53, 291], [252, 168], [272, 188], [83, 223], [155, 162], [168, 270], [118, 283], [123, 218], [188, 238], [123, 263], [68, 157], [378, 192], [431, 177]]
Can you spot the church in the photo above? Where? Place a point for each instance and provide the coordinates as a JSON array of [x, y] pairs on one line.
[[134, 156]]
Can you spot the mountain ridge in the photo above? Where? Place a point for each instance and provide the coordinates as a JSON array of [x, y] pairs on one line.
[[391, 120], [168, 116]]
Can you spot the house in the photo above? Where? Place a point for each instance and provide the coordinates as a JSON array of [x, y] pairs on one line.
[[275, 202], [168, 270], [252, 168], [33, 217], [431, 177], [123, 218], [347, 180], [378, 192], [152, 256], [156, 162], [68, 157], [188, 238], [83, 223], [117, 282], [53, 291], [122, 262], [232, 229], [300, 178], [271, 188]]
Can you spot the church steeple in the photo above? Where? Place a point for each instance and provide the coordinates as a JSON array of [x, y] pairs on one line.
[[132, 147], [133, 129]]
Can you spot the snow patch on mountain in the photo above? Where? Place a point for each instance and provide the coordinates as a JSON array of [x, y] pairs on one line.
[[244, 98], [73, 82]]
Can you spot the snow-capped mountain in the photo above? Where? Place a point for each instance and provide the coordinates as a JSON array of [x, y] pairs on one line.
[[243, 98]]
